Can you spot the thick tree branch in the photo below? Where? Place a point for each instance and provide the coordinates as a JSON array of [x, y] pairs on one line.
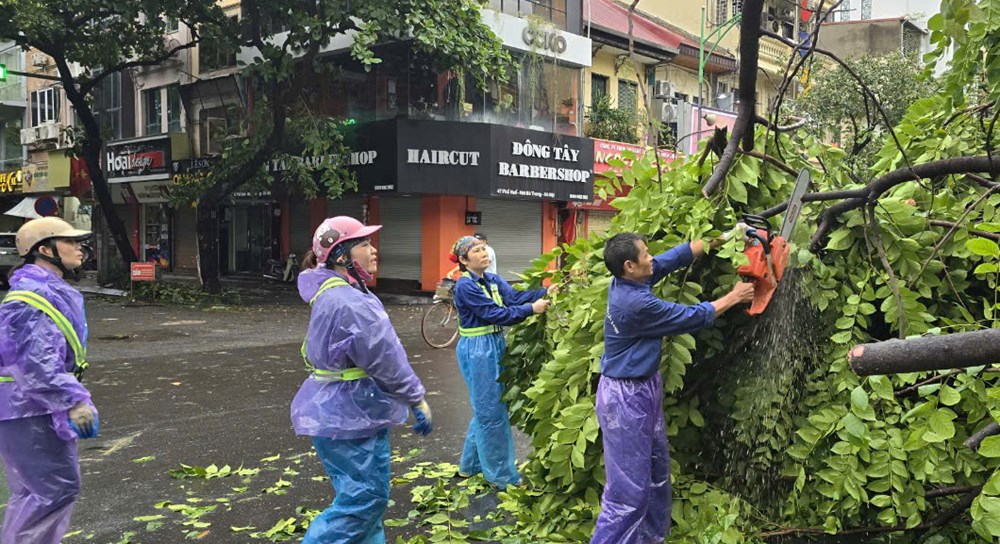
[[956, 165], [743, 127], [945, 352], [799, 123], [91, 83], [818, 197], [974, 441], [948, 491]]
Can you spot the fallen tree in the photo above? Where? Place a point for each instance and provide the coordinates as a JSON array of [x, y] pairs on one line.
[[958, 350]]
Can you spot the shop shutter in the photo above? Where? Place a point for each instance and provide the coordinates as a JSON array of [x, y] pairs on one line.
[[348, 205], [400, 240], [514, 229], [598, 222], [299, 230]]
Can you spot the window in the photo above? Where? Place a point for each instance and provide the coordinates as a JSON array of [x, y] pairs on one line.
[[598, 87], [152, 111], [721, 11], [215, 55], [628, 95], [170, 25], [44, 106], [108, 105], [174, 109], [553, 11], [737, 7], [219, 126]]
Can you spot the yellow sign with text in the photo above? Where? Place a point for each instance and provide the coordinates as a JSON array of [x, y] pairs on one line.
[[10, 181]]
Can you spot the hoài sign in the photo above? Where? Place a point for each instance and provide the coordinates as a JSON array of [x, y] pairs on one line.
[[146, 159]]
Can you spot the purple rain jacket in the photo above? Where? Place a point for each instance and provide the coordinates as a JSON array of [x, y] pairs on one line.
[[36, 354], [349, 328]]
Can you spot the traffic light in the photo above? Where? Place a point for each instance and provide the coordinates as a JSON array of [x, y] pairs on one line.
[[3, 72]]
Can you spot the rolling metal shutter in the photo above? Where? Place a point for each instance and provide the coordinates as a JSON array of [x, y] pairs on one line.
[[400, 240], [348, 205], [514, 229]]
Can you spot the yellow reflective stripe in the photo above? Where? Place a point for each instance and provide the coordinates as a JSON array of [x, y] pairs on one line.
[[346, 375], [495, 297], [328, 284], [6, 379], [62, 323], [479, 331]]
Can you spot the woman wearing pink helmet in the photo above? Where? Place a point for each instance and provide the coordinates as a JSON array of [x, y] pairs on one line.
[[361, 383]]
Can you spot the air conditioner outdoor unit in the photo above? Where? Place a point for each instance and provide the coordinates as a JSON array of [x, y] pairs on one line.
[[28, 136], [664, 89], [39, 59], [48, 131], [668, 112]]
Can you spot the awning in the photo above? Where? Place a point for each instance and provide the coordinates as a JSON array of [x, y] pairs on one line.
[[25, 208], [651, 36]]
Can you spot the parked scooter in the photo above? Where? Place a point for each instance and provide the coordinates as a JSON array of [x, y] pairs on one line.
[[286, 272]]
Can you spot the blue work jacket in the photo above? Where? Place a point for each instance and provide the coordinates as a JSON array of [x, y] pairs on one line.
[[637, 320], [489, 301]]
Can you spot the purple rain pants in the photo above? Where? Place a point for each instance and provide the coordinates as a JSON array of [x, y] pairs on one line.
[[43, 473], [635, 506]]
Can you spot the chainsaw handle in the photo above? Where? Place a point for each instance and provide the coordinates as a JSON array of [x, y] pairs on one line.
[[752, 233], [758, 222]]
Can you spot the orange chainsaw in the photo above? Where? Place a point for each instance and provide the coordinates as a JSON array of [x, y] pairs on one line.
[[767, 252]]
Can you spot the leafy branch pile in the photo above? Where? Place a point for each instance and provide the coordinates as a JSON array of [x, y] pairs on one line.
[[817, 449]]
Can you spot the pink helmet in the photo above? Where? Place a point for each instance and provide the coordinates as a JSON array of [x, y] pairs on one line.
[[337, 230]]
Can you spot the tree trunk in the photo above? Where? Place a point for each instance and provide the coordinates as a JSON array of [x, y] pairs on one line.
[[207, 228], [959, 350], [91, 151]]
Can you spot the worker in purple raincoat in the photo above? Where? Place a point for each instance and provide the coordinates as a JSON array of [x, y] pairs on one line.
[[361, 383], [635, 506], [43, 406]]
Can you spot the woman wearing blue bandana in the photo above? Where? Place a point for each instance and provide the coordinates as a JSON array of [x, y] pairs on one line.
[[485, 304]]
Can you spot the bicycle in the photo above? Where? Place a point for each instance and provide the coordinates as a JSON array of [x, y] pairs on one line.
[[439, 326]]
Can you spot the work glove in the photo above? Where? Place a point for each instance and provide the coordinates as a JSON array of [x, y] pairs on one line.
[[422, 413], [83, 421], [738, 232]]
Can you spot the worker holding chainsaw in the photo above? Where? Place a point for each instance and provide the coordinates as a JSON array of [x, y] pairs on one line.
[[43, 406], [635, 506]]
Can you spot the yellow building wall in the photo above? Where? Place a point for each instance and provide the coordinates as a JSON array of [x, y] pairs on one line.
[[608, 65]]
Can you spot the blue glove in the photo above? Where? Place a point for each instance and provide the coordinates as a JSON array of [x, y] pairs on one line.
[[91, 432], [422, 413]]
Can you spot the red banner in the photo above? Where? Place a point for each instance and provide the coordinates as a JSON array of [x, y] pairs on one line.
[[606, 150]]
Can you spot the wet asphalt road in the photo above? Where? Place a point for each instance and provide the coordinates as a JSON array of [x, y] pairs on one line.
[[177, 385]]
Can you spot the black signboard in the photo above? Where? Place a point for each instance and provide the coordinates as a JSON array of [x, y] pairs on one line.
[[541, 165], [138, 161], [473, 218], [476, 159]]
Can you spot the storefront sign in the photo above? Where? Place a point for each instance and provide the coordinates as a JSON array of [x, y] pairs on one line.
[[10, 181], [36, 178], [452, 158], [541, 165], [545, 39], [138, 161], [143, 271], [606, 150]]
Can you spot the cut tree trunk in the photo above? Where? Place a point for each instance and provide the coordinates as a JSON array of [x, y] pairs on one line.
[[959, 350]]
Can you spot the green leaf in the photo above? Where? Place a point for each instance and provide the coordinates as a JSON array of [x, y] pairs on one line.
[[983, 247], [949, 396], [990, 447], [941, 427]]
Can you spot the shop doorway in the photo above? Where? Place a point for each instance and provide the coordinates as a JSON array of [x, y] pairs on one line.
[[249, 234]]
